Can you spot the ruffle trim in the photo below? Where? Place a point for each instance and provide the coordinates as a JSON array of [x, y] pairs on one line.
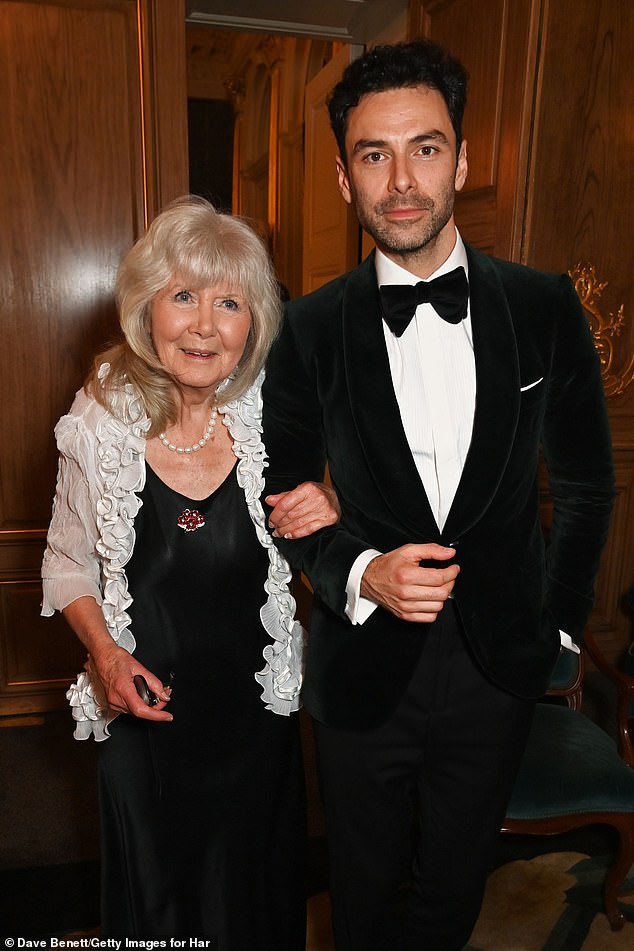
[[89, 713], [281, 677], [120, 466], [121, 469]]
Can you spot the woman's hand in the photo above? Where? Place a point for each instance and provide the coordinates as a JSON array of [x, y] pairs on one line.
[[112, 669], [303, 510]]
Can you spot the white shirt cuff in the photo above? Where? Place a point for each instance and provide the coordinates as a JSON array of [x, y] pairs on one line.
[[568, 643], [358, 608]]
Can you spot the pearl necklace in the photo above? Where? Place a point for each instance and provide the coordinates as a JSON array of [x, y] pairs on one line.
[[206, 436]]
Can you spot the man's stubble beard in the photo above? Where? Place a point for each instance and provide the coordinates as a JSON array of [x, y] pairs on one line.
[[400, 239]]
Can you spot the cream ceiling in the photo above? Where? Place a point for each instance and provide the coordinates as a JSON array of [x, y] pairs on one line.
[[344, 20]]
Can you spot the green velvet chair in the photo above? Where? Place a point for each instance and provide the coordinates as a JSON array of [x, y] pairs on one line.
[[573, 774]]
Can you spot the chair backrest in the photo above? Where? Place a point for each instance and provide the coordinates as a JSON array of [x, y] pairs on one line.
[[567, 678], [624, 685]]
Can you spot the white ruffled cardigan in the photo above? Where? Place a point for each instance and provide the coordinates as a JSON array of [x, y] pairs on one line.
[[91, 537]]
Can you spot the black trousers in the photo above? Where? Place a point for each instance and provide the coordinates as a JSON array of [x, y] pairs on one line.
[[414, 807]]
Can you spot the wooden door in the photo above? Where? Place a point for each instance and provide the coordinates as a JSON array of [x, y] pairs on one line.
[[497, 42], [331, 229], [94, 139], [580, 215]]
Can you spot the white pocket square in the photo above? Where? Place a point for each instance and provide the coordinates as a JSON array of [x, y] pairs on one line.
[[530, 386]]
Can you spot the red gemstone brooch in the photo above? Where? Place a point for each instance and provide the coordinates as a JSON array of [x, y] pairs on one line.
[[190, 520]]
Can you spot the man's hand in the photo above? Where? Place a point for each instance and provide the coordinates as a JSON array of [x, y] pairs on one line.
[[397, 582], [302, 511]]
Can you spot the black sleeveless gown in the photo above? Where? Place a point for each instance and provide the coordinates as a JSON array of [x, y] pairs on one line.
[[203, 818]]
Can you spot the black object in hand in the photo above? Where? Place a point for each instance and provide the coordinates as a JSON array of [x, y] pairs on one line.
[[146, 695]]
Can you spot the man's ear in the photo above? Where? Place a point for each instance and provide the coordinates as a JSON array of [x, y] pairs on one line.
[[462, 166], [344, 181]]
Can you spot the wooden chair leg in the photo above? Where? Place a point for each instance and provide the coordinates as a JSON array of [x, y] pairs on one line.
[[624, 860]]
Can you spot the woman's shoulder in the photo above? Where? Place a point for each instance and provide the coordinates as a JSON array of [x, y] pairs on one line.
[[102, 401], [84, 408], [118, 397], [76, 431]]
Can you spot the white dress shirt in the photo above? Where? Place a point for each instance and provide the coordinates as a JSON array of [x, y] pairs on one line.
[[433, 373]]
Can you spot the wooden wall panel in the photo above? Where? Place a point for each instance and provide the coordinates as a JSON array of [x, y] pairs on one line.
[[581, 190], [80, 167], [583, 135], [40, 657], [70, 209]]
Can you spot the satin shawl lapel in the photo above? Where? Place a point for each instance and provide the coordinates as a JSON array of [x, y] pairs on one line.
[[497, 396], [375, 409]]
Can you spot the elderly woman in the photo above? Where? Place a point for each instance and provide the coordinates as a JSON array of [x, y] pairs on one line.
[[159, 557]]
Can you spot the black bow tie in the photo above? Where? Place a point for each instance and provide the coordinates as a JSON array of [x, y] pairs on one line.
[[448, 295]]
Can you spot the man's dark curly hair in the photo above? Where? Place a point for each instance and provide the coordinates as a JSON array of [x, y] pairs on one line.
[[403, 65]]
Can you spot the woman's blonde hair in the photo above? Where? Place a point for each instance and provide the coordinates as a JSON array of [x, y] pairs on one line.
[[205, 248]]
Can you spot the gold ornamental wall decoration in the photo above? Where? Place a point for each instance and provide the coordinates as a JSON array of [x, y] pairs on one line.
[[604, 329]]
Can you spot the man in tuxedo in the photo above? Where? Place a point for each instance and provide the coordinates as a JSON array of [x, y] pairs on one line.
[[429, 378]]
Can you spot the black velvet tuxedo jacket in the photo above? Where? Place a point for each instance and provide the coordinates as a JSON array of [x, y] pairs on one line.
[[328, 397]]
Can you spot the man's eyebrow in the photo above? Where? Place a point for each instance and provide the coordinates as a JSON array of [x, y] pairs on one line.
[[433, 136], [368, 144]]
